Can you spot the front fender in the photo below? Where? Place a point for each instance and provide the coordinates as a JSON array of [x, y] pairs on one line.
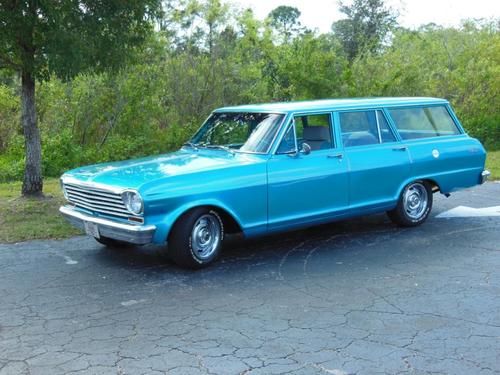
[[165, 222]]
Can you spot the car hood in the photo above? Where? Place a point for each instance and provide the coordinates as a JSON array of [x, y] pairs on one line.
[[132, 174]]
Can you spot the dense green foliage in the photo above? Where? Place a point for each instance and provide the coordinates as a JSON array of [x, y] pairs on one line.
[[285, 19], [41, 39], [205, 55], [66, 37], [365, 28]]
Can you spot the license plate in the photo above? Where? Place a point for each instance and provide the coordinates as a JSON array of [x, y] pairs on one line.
[[91, 229]]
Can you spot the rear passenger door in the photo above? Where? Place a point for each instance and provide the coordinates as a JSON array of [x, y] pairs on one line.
[[378, 163]]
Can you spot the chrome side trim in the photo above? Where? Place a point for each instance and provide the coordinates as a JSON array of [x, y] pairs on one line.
[[485, 175], [136, 234]]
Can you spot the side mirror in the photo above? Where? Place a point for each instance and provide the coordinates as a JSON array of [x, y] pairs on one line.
[[306, 149]]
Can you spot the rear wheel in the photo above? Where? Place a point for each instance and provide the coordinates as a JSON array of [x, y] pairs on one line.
[[414, 205], [196, 238]]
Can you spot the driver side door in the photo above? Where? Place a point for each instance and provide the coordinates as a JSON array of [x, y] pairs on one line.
[[307, 187]]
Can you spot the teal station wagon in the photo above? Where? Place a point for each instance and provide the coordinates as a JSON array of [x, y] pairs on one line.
[[259, 169]]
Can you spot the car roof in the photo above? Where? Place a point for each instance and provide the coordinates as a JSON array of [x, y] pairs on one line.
[[331, 104]]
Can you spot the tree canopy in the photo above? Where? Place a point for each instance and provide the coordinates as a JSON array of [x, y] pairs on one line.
[[366, 26], [39, 39], [285, 19], [204, 54], [67, 37]]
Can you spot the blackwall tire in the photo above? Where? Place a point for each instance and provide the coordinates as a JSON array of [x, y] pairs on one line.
[[196, 238]]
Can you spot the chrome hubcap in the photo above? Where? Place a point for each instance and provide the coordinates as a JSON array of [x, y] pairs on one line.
[[415, 200], [205, 236]]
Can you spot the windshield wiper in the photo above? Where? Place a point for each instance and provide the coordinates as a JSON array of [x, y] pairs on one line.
[[221, 147], [191, 144]]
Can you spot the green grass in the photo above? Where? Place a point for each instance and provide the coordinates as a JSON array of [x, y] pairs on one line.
[[23, 219], [493, 164]]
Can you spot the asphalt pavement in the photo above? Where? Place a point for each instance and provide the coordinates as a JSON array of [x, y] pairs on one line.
[[354, 297]]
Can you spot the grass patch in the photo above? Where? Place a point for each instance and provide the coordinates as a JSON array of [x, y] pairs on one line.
[[23, 219], [493, 164]]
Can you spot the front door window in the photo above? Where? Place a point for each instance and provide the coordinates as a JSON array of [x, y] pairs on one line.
[[315, 130]]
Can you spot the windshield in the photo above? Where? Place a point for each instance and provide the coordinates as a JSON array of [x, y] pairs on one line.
[[246, 132]]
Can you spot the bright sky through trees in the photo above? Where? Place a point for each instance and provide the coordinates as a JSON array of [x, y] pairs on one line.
[[321, 13]]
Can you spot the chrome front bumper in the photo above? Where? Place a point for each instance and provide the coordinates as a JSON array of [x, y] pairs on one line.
[[136, 234], [485, 175]]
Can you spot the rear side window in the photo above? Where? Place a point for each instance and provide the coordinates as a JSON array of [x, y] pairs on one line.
[[364, 128], [423, 122]]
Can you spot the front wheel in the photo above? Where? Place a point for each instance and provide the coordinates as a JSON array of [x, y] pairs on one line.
[[414, 205], [196, 238]]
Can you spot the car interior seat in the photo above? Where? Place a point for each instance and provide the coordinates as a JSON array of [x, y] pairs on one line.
[[318, 137], [360, 139]]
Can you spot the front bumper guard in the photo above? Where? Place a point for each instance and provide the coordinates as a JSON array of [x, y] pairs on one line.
[[136, 234]]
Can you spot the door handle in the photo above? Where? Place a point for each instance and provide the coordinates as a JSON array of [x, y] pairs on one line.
[[335, 156], [402, 148]]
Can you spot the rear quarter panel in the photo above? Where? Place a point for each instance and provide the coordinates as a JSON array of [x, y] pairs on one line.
[[453, 162]]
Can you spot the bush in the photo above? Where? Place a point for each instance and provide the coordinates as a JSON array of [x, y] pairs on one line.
[[59, 153], [9, 116], [11, 169]]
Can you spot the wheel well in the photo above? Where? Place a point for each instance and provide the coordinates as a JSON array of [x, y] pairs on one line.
[[434, 186], [230, 224]]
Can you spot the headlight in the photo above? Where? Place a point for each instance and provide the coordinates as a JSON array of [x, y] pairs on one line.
[[133, 202]]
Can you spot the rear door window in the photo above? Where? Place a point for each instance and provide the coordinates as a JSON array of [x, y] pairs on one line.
[[365, 128], [423, 122]]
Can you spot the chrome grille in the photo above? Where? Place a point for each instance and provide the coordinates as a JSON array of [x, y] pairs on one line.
[[96, 200]]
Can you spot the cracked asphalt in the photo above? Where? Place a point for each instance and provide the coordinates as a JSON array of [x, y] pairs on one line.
[[353, 297]]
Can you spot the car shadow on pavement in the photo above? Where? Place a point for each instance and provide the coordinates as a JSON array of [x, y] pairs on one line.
[[238, 251]]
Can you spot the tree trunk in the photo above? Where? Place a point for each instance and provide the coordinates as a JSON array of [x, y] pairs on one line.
[[32, 182]]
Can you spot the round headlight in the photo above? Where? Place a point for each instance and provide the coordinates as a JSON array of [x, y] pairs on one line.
[[133, 202]]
